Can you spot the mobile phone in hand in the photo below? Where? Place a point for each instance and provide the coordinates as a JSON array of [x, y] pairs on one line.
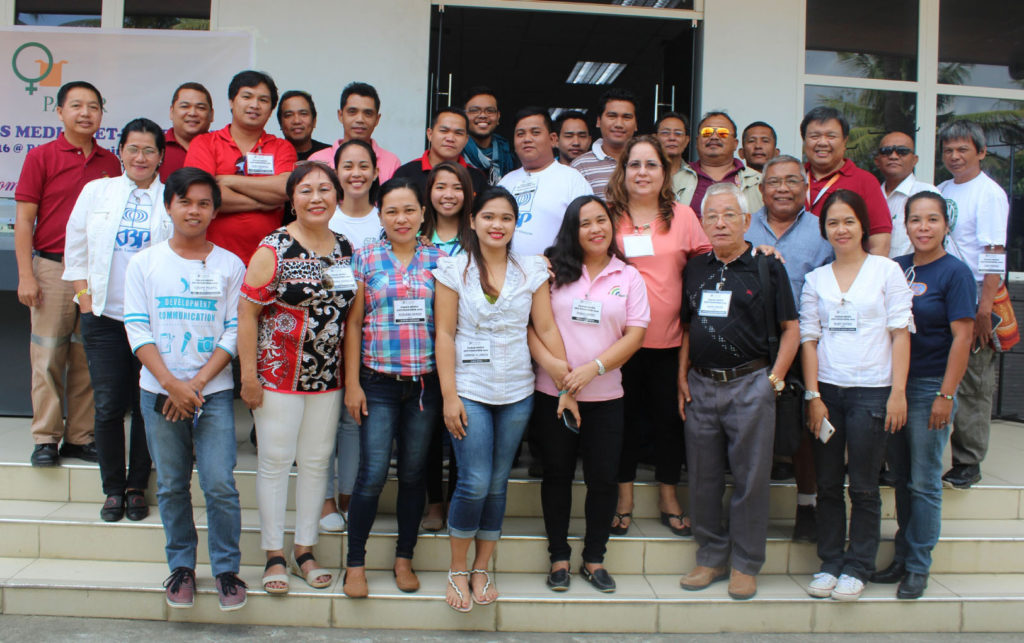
[[570, 421], [825, 434]]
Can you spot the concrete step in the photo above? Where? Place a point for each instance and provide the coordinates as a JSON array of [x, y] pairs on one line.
[[643, 603], [74, 531], [80, 483]]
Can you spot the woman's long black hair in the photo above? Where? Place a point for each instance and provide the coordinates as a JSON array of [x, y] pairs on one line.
[[471, 243], [566, 255]]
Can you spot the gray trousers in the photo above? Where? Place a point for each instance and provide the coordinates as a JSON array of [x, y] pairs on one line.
[[973, 416], [734, 419]]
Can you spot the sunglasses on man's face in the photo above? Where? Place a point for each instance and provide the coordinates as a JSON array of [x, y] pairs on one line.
[[901, 150], [722, 132]]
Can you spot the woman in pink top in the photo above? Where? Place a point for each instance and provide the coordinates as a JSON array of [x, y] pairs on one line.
[[658, 236], [600, 307]]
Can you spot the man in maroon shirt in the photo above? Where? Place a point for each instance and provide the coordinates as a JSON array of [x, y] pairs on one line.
[[825, 132], [251, 166], [51, 178], [191, 115]]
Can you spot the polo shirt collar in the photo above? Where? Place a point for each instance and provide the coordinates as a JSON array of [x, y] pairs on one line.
[[846, 169], [598, 149], [761, 216], [746, 257], [425, 161], [614, 265], [171, 139], [64, 145], [737, 166], [225, 134], [906, 185]]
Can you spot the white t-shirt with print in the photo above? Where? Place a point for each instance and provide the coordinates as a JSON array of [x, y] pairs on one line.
[[132, 236], [978, 211], [542, 197], [359, 231]]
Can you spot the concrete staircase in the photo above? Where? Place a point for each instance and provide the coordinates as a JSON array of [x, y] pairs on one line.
[[58, 558]]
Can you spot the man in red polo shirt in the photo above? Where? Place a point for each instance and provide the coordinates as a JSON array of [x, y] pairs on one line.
[[447, 136], [191, 115], [825, 132], [51, 178], [251, 166]]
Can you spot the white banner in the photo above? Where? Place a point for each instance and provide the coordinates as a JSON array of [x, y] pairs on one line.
[[136, 70]]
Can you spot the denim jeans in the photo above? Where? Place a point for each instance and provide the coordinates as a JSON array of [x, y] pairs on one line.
[[344, 463], [858, 415], [915, 455], [493, 433], [172, 444], [407, 412], [114, 371]]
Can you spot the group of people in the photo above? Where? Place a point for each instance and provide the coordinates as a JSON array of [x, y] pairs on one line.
[[602, 299]]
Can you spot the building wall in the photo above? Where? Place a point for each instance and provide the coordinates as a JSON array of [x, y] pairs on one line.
[[322, 49], [752, 64]]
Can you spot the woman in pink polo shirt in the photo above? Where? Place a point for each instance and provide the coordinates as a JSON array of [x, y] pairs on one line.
[[600, 307], [658, 236]]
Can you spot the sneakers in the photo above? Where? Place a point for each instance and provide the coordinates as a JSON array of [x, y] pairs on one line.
[[961, 476], [231, 591], [847, 588], [181, 587], [822, 585], [44, 455], [334, 522]]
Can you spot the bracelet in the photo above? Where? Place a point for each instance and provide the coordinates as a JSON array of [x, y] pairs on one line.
[[600, 367], [78, 295], [943, 396], [563, 392]]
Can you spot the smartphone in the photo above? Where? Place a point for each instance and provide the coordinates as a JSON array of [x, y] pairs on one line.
[[158, 406], [570, 421], [826, 431]]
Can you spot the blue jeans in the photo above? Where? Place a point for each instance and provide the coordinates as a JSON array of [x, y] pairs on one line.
[[485, 454], [858, 415], [915, 455], [114, 371], [171, 445], [407, 412], [344, 463]]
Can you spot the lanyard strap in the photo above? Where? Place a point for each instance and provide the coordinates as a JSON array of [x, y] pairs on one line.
[[831, 182]]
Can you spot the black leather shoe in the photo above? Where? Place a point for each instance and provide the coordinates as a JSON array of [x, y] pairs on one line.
[[805, 530], [912, 586], [558, 580], [45, 455], [599, 578], [113, 508], [962, 476], [85, 452], [894, 573], [783, 471], [135, 505]]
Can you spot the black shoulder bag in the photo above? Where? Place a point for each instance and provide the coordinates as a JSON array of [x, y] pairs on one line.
[[789, 405]]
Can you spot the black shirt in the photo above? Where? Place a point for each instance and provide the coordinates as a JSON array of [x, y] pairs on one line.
[[415, 170], [317, 146], [742, 336]]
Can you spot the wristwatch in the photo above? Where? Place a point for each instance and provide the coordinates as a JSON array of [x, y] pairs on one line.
[[811, 395], [777, 384]]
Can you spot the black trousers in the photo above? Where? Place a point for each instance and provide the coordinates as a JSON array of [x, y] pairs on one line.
[[599, 442], [649, 383], [435, 468]]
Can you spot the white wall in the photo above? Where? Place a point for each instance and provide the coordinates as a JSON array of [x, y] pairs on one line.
[[753, 59], [322, 45]]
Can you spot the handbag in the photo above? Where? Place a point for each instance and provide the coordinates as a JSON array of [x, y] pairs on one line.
[[789, 405], [1005, 333]]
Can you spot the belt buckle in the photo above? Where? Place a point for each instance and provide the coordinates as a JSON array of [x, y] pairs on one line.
[[720, 375]]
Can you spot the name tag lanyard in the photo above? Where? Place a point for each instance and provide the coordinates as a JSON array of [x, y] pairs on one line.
[[831, 182]]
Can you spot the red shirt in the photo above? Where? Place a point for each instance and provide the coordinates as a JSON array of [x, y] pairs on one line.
[[704, 181], [851, 177], [51, 177], [174, 156], [217, 153]]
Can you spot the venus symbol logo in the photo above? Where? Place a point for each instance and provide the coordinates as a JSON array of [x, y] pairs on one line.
[[49, 71]]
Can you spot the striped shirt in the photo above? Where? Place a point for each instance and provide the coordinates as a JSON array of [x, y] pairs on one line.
[[398, 338], [596, 167]]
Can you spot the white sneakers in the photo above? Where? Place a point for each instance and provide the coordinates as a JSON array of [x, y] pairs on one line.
[[844, 588], [334, 523]]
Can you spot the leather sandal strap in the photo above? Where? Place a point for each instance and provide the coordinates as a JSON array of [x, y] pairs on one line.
[[301, 560], [276, 560]]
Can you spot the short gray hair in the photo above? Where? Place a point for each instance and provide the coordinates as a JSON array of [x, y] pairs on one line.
[[785, 158], [726, 188], [963, 129]]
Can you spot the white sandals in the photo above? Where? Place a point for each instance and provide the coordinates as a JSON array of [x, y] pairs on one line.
[[487, 586], [313, 574], [458, 592]]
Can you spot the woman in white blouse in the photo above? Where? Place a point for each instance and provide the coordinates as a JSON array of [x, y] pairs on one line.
[[113, 219], [484, 300], [855, 323]]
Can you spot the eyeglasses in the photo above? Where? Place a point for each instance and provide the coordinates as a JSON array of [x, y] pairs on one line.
[[776, 182], [901, 150], [672, 132], [135, 150], [650, 165], [708, 132], [729, 217], [490, 111]]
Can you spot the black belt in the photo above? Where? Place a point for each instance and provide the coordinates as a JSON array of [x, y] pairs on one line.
[[392, 376], [727, 374], [52, 256]]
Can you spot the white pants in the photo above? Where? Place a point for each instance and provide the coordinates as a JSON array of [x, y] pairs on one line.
[[294, 428]]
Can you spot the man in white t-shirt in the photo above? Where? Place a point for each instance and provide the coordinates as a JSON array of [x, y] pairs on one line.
[[978, 213], [181, 317], [543, 188], [896, 160]]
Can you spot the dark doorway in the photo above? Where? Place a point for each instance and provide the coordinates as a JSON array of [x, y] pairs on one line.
[[527, 57]]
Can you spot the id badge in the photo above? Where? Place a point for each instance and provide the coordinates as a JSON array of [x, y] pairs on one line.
[[715, 303], [259, 164], [638, 245], [843, 319], [205, 283], [992, 263], [586, 311], [341, 277], [410, 311], [476, 352]]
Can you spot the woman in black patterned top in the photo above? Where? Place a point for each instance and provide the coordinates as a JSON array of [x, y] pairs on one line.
[[291, 322]]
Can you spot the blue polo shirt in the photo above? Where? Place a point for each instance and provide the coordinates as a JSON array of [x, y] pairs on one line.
[[944, 291], [801, 245]]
